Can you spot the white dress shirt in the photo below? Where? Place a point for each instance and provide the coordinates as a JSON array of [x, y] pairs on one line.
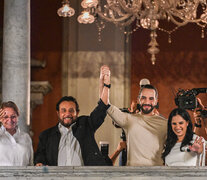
[[15, 150], [69, 152]]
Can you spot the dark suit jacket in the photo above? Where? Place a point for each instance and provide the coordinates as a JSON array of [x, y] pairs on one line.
[[83, 130]]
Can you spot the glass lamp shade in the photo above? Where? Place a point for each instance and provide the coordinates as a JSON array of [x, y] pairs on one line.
[[66, 11], [89, 3], [86, 18]]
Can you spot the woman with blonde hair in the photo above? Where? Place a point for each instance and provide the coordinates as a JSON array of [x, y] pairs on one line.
[[15, 145]]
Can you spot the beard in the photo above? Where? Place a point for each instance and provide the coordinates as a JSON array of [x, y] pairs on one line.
[[67, 125], [146, 111]]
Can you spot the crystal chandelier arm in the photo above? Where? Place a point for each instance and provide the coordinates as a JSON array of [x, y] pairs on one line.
[[176, 22], [114, 20], [128, 22], [135, 7], [185, 21], [171, 3], [119, 8], [119, 12]]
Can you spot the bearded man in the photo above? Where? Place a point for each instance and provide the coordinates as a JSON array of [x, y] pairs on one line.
[[145, 131], [71, 142]]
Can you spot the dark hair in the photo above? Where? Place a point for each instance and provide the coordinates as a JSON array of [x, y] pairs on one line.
[[148, 86], [172, 137], [10, 104], [68, 98]]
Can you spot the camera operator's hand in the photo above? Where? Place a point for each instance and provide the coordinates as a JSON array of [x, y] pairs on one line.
[[200, 118], [200, 104], [197, 114], [122, 145], [156, 112], [133, 107]]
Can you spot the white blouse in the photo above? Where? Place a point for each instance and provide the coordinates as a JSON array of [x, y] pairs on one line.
[[185, 158], [15, 150]]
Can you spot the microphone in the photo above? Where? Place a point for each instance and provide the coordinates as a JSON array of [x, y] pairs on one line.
[[144, 82]]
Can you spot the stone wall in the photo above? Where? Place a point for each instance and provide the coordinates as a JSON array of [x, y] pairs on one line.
[[103, 173]]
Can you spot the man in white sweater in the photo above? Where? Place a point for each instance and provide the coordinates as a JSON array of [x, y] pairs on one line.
[[145, 131]]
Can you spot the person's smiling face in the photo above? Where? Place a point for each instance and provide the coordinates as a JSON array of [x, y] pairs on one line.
[[179, 127], [10, 119], [67, 113], [147, 101]]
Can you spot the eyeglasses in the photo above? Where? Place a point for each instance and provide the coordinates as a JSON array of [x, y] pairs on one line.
[[11, 117]]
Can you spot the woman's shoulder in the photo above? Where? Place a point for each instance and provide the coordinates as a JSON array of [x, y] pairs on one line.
[[24, 135]]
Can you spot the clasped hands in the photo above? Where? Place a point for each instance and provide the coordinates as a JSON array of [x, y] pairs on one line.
[[105, 74]]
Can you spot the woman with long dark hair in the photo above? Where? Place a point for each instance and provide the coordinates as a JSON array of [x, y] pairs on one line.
[[183, 147]]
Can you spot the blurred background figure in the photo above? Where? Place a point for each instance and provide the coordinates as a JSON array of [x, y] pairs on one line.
[[120, 150]]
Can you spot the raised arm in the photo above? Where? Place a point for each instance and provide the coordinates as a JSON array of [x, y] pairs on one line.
[[99, 113], [104, 85], [119, 117]]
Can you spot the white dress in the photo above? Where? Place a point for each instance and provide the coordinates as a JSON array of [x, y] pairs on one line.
[[178, 158], [15, 150]]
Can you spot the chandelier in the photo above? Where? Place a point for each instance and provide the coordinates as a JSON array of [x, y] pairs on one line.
[[145, 13]]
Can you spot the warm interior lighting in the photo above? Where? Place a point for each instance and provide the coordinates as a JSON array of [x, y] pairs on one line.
[[66, 10], [147, 14], [86, 18], [89, 3]]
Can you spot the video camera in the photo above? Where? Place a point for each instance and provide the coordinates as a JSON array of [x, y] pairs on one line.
[[186, 99]]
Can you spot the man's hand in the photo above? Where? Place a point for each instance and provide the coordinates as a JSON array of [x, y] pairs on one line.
[[104, 86], [39, 164], [105, 74], [104, 70]]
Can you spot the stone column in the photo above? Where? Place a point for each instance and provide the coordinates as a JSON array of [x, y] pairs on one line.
[[16, 57]]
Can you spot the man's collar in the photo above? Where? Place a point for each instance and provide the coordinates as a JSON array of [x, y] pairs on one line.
[[63, 128]]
